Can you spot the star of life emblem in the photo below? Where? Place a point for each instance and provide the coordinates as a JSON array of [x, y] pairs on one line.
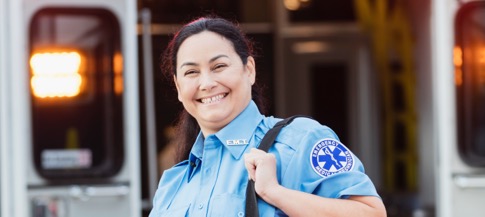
[[329, 156]]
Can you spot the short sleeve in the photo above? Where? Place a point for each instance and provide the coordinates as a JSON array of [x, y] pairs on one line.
[[321, 164]]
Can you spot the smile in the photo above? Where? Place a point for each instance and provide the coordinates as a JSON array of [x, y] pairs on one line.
[[213, 99]]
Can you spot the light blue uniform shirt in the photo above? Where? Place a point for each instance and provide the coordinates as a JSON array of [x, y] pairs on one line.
[[212, 182]]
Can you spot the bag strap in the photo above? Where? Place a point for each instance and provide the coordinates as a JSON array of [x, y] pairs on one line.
[[266, 143]]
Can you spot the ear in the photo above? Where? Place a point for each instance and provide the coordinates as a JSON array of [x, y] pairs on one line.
[[251, 69], [177, 86]]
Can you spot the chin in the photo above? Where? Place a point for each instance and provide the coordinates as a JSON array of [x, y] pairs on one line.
[[215, 118]]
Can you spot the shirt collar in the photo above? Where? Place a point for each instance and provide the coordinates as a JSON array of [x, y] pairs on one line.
[[198, 146], [236, 136]]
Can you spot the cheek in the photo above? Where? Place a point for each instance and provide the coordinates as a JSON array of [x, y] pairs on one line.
[[185, 90], [182, 91]]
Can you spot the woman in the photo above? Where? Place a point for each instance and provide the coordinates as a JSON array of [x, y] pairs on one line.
[[307, 172]]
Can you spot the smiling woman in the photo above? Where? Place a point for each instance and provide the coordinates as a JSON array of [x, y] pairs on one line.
[[212, 82], [307, 171]]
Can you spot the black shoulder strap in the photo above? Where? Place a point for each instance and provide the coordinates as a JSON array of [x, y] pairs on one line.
[[266, 143], [271, 135]]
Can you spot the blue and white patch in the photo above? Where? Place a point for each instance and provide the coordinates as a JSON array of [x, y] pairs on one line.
[[329, 156]]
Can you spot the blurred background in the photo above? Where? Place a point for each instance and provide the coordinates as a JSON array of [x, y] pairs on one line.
[[87, 118]]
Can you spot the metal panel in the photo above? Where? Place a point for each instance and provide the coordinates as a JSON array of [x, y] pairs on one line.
[[3, 109], [17, 116]]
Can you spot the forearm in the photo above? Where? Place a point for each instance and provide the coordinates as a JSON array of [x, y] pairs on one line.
[[296, 203]]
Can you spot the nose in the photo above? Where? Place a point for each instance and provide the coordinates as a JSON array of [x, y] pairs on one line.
[[207, 81]]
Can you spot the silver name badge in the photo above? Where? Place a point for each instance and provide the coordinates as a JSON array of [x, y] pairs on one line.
[[237, 142]]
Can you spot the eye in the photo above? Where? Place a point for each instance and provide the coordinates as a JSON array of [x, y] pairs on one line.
[[189, 72], [219, 67]]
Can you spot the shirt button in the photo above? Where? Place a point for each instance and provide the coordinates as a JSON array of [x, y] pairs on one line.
[[240, 214], [201, 206]]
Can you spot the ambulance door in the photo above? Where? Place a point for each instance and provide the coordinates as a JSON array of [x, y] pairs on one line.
[[468, 157], [84, 115], [459, 98]]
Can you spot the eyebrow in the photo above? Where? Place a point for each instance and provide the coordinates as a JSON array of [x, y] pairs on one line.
[[210, 61]]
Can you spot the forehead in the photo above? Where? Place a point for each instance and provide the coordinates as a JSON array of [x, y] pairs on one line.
[[204, 44]]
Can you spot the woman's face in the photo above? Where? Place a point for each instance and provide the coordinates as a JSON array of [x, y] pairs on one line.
[[212, 82]]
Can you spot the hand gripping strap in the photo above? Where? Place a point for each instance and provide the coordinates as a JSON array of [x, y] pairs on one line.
[[266, 143]]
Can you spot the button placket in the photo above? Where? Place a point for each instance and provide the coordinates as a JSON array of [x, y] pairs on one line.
[[211, 160], [207, 171]]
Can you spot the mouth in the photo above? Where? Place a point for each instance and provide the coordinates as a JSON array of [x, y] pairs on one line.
[[213, 99]]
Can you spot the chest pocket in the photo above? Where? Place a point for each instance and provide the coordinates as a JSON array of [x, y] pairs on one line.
[[180, 211], [230, 205]]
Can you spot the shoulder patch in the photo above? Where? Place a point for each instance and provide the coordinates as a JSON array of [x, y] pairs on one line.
[[329, 156]]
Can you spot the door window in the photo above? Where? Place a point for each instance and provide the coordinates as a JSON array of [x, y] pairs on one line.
[[76, 85], [469, 59]]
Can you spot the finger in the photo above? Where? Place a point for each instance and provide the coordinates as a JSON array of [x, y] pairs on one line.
[[249, 163]]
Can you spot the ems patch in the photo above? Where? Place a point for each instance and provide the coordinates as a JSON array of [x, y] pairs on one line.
[[329, 156]]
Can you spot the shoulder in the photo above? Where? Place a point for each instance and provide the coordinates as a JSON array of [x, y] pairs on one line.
[[301, 135], [307, 124], [299, 124], [173, 174], [304, 130]]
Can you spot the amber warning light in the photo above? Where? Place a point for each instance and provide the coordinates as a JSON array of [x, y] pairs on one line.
[[56, 74]]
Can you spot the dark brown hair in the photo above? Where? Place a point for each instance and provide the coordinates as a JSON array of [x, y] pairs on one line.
[[187, 127]]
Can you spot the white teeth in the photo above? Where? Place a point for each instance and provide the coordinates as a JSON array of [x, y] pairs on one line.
[[212, 99]]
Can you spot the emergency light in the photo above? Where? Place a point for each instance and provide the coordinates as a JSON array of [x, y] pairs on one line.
[[56, 74]]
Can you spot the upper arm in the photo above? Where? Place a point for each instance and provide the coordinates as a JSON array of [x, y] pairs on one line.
[[321, 164]]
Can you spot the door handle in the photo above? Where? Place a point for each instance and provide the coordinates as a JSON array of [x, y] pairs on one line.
[[469, 181], [85, 193]]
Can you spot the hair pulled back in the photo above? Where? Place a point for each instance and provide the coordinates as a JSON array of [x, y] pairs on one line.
[[187, 127]]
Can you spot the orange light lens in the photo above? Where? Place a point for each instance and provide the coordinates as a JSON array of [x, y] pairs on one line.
[[56, 74]]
